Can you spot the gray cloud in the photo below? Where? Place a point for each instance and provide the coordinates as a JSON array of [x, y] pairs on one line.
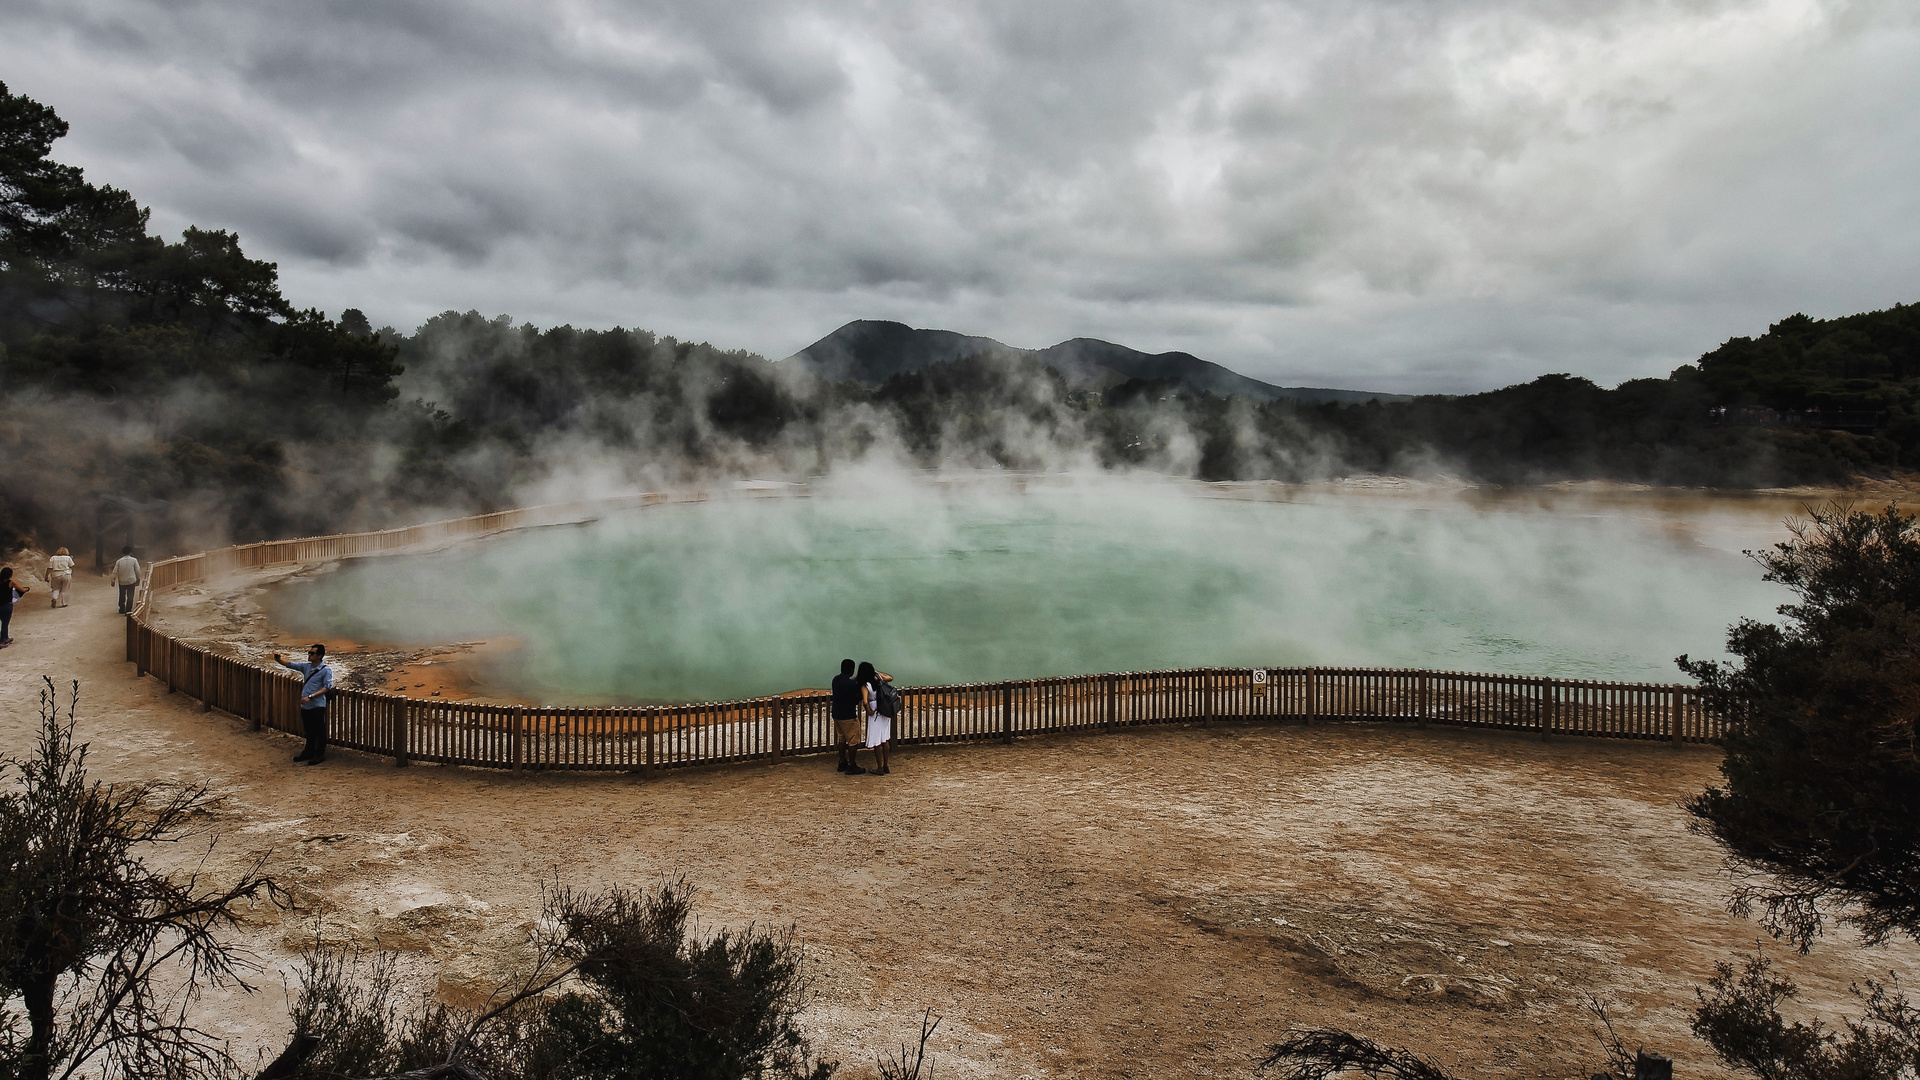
[[1444, 194]]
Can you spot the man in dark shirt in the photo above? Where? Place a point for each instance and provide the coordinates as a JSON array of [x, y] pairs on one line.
[[846, 718]]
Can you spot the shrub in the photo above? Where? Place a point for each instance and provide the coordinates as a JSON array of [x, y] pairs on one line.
[[622, 987], [90, 936]]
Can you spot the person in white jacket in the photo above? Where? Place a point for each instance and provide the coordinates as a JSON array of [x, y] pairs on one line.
[[879, 723], [126, 574], [59, 577]]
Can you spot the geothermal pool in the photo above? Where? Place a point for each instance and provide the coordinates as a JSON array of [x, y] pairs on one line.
[[730, 599]]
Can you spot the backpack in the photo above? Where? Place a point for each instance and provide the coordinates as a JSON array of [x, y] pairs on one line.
[[886, 699]]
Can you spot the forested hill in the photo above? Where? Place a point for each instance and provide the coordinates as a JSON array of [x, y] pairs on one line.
[[870, 351], [1858, 363], [168, 394]]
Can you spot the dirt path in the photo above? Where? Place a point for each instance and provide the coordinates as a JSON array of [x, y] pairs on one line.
[[1155, 904]]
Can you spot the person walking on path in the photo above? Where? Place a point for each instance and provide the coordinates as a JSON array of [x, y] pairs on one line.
[[313, 701], [10, 590], [847, 721], [879, 713], [60, 577], [126, 573]]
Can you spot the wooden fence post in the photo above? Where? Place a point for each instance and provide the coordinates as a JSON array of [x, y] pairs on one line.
[[1678, 714], [779, 728], [1310, 697], [1206, 698], [402, 731], [1420, 701], [1006, 712], [206, 692], [1113, 700], [513, 737], [652, 713]]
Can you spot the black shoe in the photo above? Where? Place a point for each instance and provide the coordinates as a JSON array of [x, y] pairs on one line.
[[855, 770], [299, 757], [842, 767], [882, 771]]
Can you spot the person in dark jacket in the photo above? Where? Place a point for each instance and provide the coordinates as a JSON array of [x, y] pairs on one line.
[[313, 701], [11, 590], [848, 723]]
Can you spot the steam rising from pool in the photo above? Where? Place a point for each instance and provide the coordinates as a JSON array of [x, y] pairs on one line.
[[740, 598]]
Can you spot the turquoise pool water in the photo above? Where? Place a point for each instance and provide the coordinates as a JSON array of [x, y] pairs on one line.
[[732, 599]]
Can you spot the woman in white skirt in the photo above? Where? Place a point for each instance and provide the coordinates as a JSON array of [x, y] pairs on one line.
[[879, 727], [59, 576]]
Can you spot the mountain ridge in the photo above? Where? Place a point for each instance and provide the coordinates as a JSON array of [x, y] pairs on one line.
[[870, 351]]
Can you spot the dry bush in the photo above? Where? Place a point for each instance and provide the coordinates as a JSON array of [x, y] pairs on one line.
[[102, 957], [622, 985], [1739, 1016]]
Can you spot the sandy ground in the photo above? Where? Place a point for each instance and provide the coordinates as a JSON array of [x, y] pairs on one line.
[[1154, 904]]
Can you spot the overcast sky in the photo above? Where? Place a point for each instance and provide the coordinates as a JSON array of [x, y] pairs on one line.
[[1420, 195]]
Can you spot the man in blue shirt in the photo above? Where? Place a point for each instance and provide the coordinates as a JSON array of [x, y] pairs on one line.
[[313, 701]]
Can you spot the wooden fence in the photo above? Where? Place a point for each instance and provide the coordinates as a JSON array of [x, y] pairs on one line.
[[644, 739], [345, 545]]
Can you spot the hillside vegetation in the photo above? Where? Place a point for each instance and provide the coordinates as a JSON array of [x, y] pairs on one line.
[[870, 351], [166, 393]]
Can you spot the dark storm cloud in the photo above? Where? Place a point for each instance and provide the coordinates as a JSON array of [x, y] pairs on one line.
[[1437, 195]]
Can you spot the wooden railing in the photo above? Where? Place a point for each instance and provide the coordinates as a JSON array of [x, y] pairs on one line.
[[646, 739], [344, 545]]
